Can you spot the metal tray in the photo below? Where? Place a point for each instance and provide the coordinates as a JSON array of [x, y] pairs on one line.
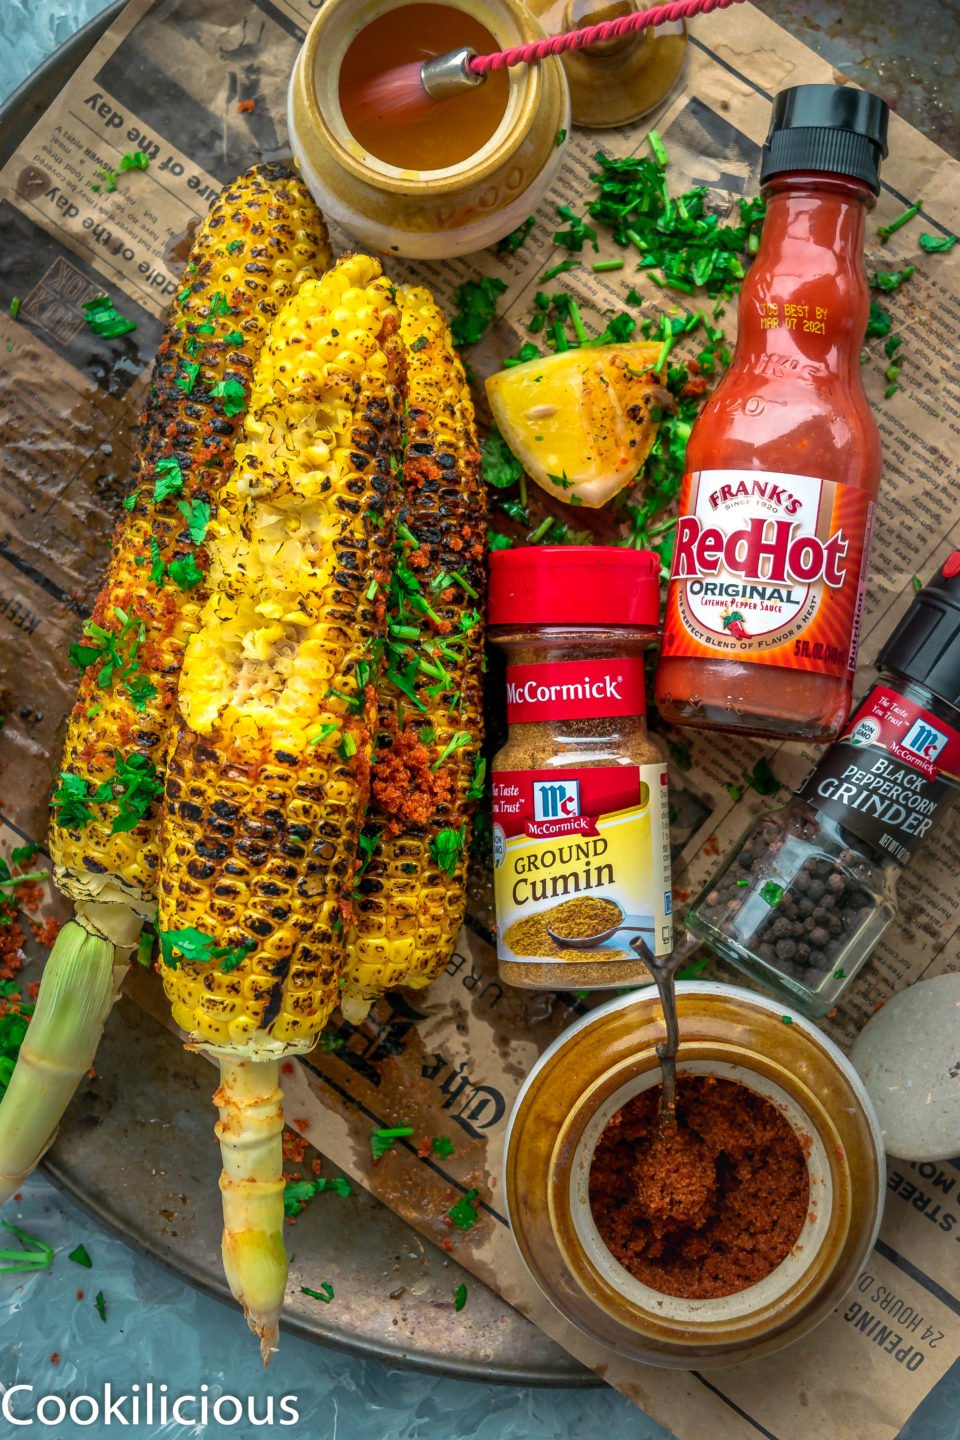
[[136, 1147]]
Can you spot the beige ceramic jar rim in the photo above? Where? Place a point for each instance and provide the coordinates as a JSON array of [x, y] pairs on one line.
[[319, 121], [609, 1056]]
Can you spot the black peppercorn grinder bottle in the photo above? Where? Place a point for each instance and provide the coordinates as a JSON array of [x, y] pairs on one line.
[[806, 894]]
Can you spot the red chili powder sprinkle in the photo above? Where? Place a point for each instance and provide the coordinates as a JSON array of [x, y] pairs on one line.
[[709, 1210]]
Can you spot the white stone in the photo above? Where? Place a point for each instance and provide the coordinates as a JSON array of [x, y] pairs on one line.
[[908, 1057]]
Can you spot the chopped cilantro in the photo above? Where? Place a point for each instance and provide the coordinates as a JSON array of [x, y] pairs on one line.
[[233, 337], [560, 269], [479, 777], [446, 849], [603, 267], [324, 733], [21, 854], [233, 394], [680, 754], [367, 845], [197, 515], [498, 542], [476, 302], [577, 234], [891, 279], [218, 305], [169, 479], [787, 1019], [458, 740], [937, 244], [157, 566], [560, 137], [193, 946], [34, 1255], [460, 1296], [382, 1140], [512, 242], [527, 351], [100, 1305], [330, 1042], [185, 572], [348, 746], [442, 1146], [916, 582], [656, 145], [14, 307], [234, 246], [114, 661], [840, 974], [771, 893], [418, 344], [297, 1193], [325, 1293], [879, 322], [464, 1213], [186, 381], [499, 466], [105, 320], [761, 778], [129, 502], [80, 1257]]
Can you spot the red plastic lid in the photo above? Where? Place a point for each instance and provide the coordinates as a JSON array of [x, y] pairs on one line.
[[574, 585]]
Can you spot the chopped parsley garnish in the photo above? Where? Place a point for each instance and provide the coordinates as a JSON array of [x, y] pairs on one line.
[[14, 307], [116, 662], [879, 322], [446, 849], [511, 243], [218, 305], [577, 234], [129, 503], [761, 778], [197, 515], [367, 845], [916, 582], [186, 381], [135, 160], [464, 1213], [232, 337], [348, 746], [840, 974], [418, 344], [80, 1257], [234, 246], [169, 479], [382, 1140], [330, 1042], [34, 1255], [460, 1296], [527, 351], [297, 1193], [23, 854], [157, 566], [100, 1305], [937, 244], [442, 1146], [233, 394], [324, 733], [185, 572], [499, 466], [771, 893], [105, 320], [560, 137], [560, 269], [680, 754], [476, 302], [196, 948], [498, 542], [325, 1293]]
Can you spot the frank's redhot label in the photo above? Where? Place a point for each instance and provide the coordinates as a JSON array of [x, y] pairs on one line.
[[768, 568]]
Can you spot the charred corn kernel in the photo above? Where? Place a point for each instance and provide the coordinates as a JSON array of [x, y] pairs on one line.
[[411, 887], [269, 778], [262, 237]]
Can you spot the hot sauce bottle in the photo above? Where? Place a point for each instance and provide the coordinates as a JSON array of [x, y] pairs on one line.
[[766, 587]]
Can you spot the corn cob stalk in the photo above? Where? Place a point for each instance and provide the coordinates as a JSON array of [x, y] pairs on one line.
[[411, 890], [261, 238], [269, 778]]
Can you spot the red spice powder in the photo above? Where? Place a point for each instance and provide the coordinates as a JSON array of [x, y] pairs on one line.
[[709, 1210]]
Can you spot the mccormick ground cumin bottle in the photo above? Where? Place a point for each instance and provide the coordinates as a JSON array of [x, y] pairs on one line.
[[809, 890], [763, 609], [580, 815]]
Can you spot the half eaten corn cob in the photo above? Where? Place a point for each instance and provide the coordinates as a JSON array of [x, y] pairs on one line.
[[427, 777], [270, 775], [261, 238]]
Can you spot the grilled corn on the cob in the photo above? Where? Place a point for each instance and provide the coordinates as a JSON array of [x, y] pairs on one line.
[[269, 777], [411, 890], [261, 238]]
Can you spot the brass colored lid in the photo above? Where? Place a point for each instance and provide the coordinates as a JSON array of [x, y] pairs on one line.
[[618, 81]]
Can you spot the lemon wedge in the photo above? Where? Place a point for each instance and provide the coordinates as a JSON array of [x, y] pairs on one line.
[[582, 422]]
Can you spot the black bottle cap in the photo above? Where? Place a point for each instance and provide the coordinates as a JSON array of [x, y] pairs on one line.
[[925, 647], [830, 128]]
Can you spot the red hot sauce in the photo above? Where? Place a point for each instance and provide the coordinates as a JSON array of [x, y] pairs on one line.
[[766, 589]]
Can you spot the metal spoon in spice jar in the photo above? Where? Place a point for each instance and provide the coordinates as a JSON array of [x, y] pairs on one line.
[[603, 919]]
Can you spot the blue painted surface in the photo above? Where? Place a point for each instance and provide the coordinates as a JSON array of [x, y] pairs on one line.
[[159, 1329]]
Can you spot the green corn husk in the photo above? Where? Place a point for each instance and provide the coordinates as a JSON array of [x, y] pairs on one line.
[[79, 986]]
